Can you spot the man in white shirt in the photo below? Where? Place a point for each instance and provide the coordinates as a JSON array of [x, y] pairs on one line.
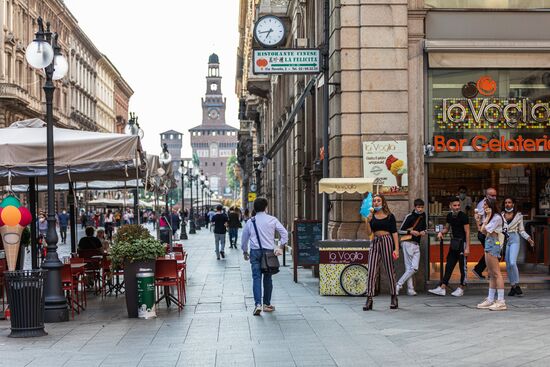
[[266, 226]]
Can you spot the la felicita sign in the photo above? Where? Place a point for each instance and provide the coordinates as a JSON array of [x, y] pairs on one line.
[[287, 61]]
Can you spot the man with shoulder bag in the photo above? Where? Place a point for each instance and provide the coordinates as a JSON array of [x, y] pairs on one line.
[[259, 232], [412, 230], [459, 248]]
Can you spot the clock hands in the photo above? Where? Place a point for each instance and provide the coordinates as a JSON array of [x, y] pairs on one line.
[[268, 32]]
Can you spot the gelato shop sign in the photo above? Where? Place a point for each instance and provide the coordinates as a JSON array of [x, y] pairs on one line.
[[386, 161], [481, 143]]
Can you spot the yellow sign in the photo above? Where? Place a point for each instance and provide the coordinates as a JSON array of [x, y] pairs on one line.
[[251, 196]]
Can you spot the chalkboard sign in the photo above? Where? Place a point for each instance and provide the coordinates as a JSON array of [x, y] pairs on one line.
[[307, 234]]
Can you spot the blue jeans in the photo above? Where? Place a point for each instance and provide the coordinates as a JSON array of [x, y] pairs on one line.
[[233, 236], [512, 251], [256, 265]]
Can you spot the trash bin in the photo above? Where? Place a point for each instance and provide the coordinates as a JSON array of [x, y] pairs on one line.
[[165, 234], [25, 290], [146, 294]]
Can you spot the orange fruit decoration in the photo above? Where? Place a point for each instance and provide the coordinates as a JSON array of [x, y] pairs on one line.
[[11, 215]]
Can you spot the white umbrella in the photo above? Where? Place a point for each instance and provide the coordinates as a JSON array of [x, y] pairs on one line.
[[79, 155]]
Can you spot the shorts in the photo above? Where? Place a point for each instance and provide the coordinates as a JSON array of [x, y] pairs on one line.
[[492, 248]]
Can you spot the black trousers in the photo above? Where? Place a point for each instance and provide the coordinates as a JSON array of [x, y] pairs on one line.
[[454, 256], [481, 265]]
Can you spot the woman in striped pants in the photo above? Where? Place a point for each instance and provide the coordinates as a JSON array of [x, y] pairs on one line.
[[385, 246]]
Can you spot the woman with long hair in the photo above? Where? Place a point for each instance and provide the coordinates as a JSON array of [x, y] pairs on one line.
[[385, 247], [492, 227], [513, 222]]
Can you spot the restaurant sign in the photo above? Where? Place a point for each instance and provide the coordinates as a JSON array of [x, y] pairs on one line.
[[482, 143], [386, 161], [286, 61]]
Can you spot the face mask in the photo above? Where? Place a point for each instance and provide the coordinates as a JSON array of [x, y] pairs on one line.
[[64, 212], [455, 212], [509, 210], [418, 212], [462, 196], [491, 197], [377, 208]]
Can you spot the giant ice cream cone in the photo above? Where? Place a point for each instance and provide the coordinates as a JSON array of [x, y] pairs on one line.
[[397, 168], [11, 236], [13, 219], [399, 179]]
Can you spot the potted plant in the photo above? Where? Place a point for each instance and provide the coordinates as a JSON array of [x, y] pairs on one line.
[[134, 248]]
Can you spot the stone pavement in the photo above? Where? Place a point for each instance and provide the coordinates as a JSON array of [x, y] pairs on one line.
[[217, 328]]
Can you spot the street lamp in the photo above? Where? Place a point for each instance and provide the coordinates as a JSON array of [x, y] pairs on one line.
[[183, 171], [192, 225], [202, 178], [196, 178], [44, 53], [132, 128], [206, 188]]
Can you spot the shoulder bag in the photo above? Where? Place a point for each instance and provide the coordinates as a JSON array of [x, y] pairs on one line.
[[269, 262], [408, 237]]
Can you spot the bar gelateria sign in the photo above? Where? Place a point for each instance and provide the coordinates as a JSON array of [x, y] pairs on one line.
[[287, 61], [481, 143]]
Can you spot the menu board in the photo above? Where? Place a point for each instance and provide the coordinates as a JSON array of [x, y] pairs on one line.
[[307, 235]]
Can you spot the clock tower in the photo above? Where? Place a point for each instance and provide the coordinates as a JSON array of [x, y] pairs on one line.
[[213, 103], [214, 141]]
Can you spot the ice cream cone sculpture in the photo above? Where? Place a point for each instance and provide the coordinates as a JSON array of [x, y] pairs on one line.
[[13, 219], [397, 168]]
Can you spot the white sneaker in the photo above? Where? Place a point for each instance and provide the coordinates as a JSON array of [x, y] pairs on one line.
[[485, 304], [397, 288], [459, 292], [438, 291], [257, 310], [411, 292], [498, 306]]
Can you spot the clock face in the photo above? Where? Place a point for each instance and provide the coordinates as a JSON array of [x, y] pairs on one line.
[[213, 87], [213, 114], [269, 31]]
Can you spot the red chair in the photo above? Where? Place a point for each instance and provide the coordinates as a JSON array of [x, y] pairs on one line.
[[70, 286], [107, 275], [82, 280], [167, 275]]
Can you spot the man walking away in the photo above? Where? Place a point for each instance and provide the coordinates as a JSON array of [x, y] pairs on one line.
[[262, 228], [220, 221], [211, 214], [234, 225], [63, 219], [175, 221], [413, 229]]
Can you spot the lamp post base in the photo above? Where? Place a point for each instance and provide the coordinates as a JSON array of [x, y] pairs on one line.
[[192, 228], [57, 314], [183, 231]]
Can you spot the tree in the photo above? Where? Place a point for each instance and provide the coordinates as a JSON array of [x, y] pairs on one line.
[[232, 180]]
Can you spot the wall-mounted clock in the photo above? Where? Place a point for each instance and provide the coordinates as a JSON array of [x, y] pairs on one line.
[[213, 114], [269, 31]]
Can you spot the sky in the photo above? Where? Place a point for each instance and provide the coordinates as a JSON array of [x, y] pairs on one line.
[[161, 48]]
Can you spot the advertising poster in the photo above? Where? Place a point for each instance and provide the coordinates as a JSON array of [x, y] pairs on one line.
[[387, 161]]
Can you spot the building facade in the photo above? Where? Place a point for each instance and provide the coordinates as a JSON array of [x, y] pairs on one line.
[[89, 81], [214, 141], [426, 96], [123, 92]]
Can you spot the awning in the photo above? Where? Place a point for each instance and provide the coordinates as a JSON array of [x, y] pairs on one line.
[[349, 185]]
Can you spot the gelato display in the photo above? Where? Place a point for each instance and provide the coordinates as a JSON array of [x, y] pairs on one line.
[[13, 219]]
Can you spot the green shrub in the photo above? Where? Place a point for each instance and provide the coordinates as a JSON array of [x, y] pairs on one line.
[[131, 232], [143, 249]]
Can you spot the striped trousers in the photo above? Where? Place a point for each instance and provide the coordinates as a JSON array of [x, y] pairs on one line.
[[381, 249]]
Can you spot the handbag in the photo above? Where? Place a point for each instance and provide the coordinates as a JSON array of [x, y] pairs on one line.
[[408, 237], [457, 244], [269, 262]]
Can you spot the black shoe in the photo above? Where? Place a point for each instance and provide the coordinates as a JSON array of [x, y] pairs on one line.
[[393, 304], [478, 274], [368, 305], [218, 257], [518, 290], [512, 292], [223, 254]]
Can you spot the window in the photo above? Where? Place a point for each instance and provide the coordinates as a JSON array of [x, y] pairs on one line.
[[206, 164], [214, 150], [213, 164], [213, 133]]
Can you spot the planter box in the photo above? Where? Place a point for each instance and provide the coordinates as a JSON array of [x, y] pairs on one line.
[[130, 284]]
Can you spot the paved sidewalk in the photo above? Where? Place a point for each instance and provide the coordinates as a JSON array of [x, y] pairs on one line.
[[217, 328]]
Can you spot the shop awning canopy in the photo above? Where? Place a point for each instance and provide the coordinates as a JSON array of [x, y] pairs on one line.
[[347, 185], [79, 155]]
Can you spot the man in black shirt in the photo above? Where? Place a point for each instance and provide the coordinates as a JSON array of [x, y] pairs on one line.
[[234, 225], [220, 228], [90, 242], [412, 230], [459, 225]]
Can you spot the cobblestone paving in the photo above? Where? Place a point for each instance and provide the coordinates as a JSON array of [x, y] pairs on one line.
[[217, 328]]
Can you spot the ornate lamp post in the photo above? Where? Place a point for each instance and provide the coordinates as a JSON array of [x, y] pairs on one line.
[[183, 171], [206, 187], [202, 178], [132, 128], [196, 178], [45, 53], [192, 225]]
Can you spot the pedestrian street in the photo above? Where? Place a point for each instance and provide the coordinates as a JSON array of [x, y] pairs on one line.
[[217, 328]]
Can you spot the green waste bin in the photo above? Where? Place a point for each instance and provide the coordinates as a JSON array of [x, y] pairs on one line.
[[146, 294]]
